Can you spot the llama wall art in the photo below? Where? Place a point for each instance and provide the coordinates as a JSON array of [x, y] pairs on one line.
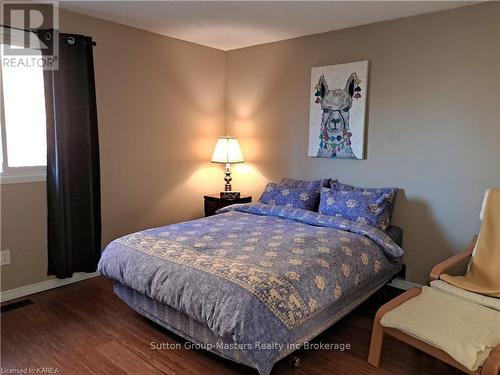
[[337, 111]]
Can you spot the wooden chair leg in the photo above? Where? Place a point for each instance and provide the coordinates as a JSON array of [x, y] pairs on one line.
[[378, 331], [376, 343], [492, 364]]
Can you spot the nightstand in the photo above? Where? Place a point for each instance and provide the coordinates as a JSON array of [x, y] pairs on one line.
[[213, 202]]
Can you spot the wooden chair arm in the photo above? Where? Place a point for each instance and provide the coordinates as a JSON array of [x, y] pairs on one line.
[[453, 261]]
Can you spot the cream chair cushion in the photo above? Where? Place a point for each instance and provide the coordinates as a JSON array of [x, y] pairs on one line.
[[468, 332]]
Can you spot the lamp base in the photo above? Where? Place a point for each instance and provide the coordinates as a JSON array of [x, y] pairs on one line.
[[230, 194]]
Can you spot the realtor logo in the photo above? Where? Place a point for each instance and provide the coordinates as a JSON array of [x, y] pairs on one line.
[[30, 36]]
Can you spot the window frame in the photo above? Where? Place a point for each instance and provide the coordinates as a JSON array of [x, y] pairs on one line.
[[15, 175]]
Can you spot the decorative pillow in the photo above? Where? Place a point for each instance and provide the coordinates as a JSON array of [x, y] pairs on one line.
[[279, 195], [365, 206], [391, 192], [312, 185]]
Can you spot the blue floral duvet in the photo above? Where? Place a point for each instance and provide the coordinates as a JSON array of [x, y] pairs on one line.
[[254, 273]]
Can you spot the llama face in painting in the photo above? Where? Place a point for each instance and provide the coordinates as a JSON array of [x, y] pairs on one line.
[[335, 131]]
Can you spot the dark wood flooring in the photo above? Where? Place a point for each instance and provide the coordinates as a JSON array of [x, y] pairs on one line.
[[83, 328]]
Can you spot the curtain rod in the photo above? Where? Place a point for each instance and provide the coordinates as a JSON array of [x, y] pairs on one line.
[[31, 31]]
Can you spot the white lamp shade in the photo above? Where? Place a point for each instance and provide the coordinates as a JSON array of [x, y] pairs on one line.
[[227, 150]]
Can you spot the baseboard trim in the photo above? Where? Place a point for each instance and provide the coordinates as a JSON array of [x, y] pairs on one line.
[[403, 284], [23, 291]]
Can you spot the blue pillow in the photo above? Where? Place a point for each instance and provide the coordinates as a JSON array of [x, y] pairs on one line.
[[280, 195], [366, 206], [313, 185], [391, 192]]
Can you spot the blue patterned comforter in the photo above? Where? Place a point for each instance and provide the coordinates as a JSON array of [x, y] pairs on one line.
[[253, 273]]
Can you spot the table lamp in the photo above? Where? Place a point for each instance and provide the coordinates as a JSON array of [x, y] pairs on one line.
[[227, 151]]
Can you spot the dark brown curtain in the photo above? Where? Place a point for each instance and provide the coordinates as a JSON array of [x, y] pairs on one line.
[[73, 182]]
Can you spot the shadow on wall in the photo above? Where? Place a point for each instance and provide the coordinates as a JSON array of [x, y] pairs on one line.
[[424, 242]]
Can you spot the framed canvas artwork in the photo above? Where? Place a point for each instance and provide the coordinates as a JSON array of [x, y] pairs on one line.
[[338, 110]]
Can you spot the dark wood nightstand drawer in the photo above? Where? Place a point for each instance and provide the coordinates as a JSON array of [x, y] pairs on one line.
[[215, 202]]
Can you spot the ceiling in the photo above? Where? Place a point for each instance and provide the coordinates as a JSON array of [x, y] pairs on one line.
[[229, 25]]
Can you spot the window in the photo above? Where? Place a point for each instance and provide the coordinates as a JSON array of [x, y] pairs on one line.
[[23, 138]]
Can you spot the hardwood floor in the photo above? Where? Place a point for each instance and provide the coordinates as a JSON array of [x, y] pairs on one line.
[[83, 328]]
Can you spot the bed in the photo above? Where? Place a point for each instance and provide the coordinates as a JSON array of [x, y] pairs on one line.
[[253, 283]]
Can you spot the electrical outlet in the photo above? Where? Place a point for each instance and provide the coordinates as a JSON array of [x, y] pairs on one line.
[[5, 257]]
